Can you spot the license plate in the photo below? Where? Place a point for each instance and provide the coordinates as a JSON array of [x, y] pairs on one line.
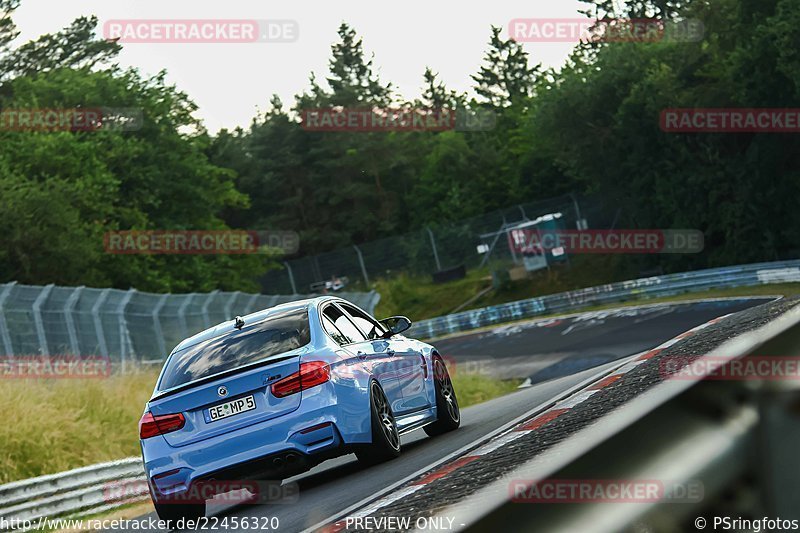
[[234, 407]]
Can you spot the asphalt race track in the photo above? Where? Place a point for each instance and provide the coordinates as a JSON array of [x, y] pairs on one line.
[[550, 348], [556, 354]]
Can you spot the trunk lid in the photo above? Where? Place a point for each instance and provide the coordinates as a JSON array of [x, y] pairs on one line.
[[196, 400]]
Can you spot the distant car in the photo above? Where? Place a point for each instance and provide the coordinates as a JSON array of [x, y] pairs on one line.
[[270, 395], [334, 284]]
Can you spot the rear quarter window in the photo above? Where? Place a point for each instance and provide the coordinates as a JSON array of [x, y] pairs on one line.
[[279, 333]]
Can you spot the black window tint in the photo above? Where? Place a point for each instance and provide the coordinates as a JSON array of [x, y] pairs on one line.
[[369, 326], [343, 324], [333, 331], [277, 334]]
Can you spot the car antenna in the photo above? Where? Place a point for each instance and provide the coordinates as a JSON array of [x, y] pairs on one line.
[[238, 322]]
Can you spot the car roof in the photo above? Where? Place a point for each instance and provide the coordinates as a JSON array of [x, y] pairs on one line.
[[226, 327]]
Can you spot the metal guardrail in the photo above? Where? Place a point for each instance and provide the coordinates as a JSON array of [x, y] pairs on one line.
[[643, 288], [124, 326], [89, 489], [735, 439]]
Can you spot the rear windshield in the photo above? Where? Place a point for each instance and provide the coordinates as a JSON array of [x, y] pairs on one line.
[[277, 334]]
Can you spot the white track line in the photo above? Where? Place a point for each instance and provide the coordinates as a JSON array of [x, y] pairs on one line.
[[500, 437], [464, 449]]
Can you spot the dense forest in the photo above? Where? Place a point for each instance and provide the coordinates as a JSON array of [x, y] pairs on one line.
[[590, 127]]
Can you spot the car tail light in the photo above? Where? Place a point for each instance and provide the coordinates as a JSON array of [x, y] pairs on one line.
[[150, 426], [310, 375]]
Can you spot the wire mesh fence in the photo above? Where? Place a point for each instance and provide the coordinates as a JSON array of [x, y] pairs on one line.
[[128, 326], [427, 250], [123, 326]]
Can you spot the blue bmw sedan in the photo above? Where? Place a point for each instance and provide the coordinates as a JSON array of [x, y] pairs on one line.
[[271, 394]]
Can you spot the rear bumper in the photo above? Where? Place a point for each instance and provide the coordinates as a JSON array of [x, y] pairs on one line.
[[331, 418], [275, 450]]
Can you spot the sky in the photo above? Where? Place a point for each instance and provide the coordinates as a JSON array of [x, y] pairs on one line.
[[231, 82]]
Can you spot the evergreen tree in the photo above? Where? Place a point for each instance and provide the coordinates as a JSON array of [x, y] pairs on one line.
[[505, 78]]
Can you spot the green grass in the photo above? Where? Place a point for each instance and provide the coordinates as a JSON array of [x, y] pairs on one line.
[[581, 272], [473, 389], [419, 297], [785, 289], [777, 289], [56, 425]]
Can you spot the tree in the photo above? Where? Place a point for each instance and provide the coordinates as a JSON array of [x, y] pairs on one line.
[[436, 96], [605, 9], [505, 78], [74, 47], [95, 181], [600, 124], [311, 181], [353, 80]]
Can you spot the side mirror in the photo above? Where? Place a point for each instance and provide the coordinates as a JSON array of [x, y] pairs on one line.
[[396, 324]]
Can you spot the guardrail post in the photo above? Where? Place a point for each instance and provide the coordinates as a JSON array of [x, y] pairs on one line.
[[435, 252], [250, 304], [182, 315], [123, 327], [511, 248], [162, 346], [69, 311], [229, 305], [8, 349], [372, 301], [98, 323], [579, 222], [291, 276], [363, 266], [206, 318], [490, 250], [37, 318]]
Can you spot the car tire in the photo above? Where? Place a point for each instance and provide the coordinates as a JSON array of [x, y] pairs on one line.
[[447, 411], [385, 437], [177, 511]]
